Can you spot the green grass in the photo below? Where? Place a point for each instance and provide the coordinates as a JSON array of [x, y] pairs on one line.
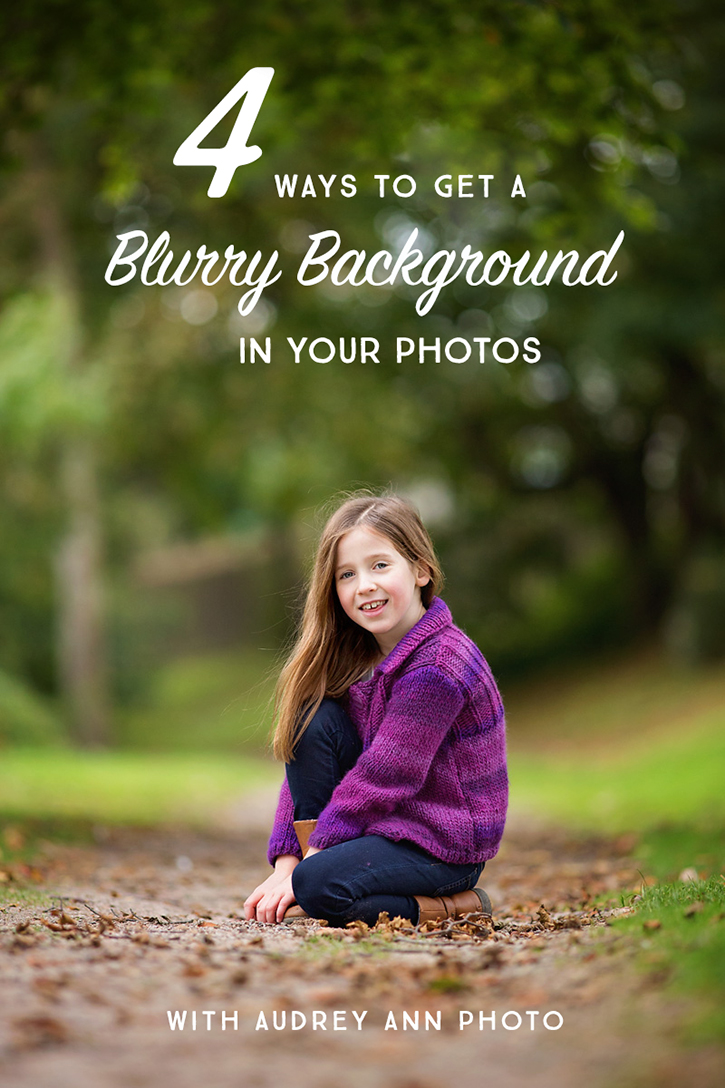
[[628, 785], [22, 837], [126, 787], [667, 850], [637, 745], [13, 895], [678, 933]]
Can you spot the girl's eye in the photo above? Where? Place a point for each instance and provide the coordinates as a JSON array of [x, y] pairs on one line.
[[346, 574], [380, 565]]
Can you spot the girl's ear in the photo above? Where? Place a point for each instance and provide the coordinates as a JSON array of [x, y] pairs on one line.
[[422, 576]]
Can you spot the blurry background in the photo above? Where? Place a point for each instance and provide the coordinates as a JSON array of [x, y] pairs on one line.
[[158, 500]]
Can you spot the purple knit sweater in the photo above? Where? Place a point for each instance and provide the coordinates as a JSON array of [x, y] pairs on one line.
[[433, 765]]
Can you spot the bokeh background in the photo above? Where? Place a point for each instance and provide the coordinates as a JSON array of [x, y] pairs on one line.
[[159, 501]]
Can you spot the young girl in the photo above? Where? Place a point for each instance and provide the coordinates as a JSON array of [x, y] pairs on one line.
[[392, 730]]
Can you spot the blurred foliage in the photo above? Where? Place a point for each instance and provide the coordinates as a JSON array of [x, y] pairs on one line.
[[25, 718], [572, 501], [215, 703], [695, 630], [633, 787], [628, 697], [626, 743]]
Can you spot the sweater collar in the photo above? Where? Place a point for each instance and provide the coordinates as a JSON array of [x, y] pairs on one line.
[[435, 618]]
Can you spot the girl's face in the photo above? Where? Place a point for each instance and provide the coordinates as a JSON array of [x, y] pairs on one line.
[[377, 587]]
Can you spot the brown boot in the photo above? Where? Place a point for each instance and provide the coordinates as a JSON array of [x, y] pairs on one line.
[[294, 913], [453, 906], [303, 830]]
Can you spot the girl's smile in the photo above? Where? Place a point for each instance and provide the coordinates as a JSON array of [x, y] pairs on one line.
[[377, 587]]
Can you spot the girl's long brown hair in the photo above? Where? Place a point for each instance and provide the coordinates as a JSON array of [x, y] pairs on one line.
[[332, 652]]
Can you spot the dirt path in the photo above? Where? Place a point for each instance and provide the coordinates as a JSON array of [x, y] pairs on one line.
[[149, 922]]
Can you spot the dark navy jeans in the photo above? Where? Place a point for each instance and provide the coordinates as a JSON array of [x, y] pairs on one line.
[[362, 877]]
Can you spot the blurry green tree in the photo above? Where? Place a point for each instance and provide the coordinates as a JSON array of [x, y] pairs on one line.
[[572, 497]]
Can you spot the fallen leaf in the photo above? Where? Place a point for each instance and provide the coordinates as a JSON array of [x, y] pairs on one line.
[[193, 970], [37, 1031]]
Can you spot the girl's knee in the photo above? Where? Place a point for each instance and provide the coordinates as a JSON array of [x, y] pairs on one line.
[[317, 890], [329, 715], [328, 720]]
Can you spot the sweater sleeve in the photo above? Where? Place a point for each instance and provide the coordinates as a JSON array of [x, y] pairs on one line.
[[423, 705], [283, 839]]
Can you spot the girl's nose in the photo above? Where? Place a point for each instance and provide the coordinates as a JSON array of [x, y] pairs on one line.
[[367, 582]]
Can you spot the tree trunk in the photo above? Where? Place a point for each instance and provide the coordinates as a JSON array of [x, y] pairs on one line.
[[82, 656], [81, 642]]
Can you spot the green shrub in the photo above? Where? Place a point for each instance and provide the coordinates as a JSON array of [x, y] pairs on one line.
[[25, 718]]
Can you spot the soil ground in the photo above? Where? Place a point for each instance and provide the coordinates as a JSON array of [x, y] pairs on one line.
[[105, 940]]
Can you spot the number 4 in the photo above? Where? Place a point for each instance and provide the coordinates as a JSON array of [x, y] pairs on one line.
[[254, 85]]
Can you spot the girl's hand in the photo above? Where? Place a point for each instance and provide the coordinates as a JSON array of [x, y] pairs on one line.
[[269, 901]]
